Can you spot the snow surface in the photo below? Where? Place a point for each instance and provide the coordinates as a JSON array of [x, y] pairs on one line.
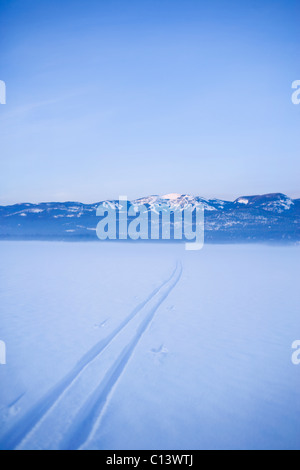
[[133, 346], [243, 201]]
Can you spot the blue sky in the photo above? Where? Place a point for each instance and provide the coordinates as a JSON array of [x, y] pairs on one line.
[[142, 97]]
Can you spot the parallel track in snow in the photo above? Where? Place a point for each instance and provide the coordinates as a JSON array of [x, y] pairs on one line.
[[74, 426], [88, 419]]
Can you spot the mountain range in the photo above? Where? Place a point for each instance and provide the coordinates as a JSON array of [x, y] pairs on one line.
[[265, 218]]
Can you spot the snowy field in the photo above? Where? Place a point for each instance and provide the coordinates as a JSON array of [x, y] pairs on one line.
[[124, 346]]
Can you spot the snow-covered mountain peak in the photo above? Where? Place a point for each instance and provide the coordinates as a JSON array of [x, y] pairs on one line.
[[276, 202], [264, 217], [242, 200], [172, 196]]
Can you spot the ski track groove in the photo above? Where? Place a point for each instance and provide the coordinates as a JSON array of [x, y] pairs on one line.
[[27, 423], [89, 416]]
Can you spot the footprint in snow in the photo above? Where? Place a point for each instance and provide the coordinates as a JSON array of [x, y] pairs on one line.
[[12, 409], [160, 353], [100, 325]]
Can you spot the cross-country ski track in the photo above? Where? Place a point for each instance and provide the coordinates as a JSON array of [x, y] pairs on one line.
[[68, 415]]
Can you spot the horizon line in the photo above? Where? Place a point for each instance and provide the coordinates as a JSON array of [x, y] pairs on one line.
[[144, 197]]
